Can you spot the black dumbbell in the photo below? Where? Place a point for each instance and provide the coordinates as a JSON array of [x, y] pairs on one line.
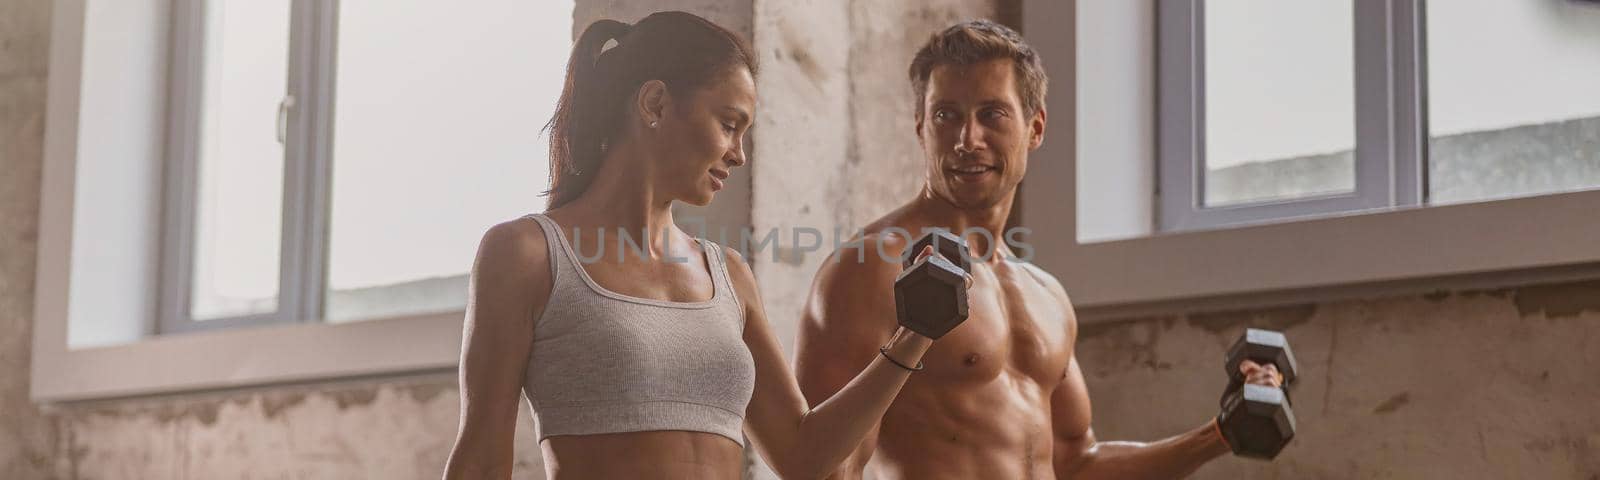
[[944, 243], [1256, 420], [930, 295]]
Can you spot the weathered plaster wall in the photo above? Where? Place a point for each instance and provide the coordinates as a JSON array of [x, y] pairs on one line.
[[1482, 384], [394, 428], [28, 446]]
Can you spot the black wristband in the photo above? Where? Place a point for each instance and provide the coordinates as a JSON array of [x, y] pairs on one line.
[[885, 352]]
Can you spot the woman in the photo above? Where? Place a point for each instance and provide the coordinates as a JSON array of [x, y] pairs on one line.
[[639, 364]]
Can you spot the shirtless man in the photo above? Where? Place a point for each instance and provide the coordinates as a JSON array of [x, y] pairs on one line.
[[1002, 396]]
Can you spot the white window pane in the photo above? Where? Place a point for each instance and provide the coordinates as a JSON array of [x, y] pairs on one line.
[[1279, 100], [439, 109], [1513, 104], [239, 219]]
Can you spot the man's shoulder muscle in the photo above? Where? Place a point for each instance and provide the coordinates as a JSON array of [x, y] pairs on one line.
[[1045, 279]]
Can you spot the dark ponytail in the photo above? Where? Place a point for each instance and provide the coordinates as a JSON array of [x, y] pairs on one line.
[[680, 49]]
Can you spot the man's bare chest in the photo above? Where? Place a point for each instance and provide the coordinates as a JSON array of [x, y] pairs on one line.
[[1015, 325]]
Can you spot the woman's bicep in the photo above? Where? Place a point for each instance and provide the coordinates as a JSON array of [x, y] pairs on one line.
[[508, 286]]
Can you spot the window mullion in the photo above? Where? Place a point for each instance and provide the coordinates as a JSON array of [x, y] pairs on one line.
[[292, 272], [1375, 103], [1180, 126], [1410, 99], [318, 147], [181, 165]]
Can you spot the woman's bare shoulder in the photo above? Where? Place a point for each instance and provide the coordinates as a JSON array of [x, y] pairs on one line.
[[514, 249]]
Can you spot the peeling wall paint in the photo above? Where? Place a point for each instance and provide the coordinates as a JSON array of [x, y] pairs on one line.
[[396, 428], [1475, 384], [1559, 301]]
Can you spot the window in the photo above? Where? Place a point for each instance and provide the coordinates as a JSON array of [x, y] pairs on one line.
[[1278, 110], [1309, 108], [1512, 105], [1281, 110], [1133, 233], [242, 76], [337, 161]]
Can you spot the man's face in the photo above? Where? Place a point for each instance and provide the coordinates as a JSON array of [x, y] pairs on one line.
[[975, 134]]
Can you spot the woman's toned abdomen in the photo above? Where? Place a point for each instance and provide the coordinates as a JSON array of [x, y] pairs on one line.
[[644, 455]]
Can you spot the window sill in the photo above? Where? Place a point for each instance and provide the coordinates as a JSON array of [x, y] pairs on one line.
[[241, 357], [1484, 244]]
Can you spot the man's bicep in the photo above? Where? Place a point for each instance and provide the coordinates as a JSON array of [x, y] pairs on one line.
[[845, 319], [1070, 415], [849, 313], [828, 356]]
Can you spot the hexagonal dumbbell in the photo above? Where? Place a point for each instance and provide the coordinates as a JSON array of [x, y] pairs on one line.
[[1265, 347], [1256, 420], [945, 243], [930, 295]]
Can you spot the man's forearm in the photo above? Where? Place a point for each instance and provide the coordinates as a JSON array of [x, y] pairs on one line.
[[1174, 457]]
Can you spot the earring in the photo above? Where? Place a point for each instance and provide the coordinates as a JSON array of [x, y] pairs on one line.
[[652, 124]]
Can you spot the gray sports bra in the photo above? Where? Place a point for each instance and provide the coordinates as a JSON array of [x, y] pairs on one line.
[[604, 362]]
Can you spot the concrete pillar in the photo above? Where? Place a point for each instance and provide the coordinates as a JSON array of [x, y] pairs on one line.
[[28, 444], [837, 146]]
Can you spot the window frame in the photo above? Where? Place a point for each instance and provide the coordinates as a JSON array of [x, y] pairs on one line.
[[1389, 99], [1138, 270], [305, 122], [102, 244]]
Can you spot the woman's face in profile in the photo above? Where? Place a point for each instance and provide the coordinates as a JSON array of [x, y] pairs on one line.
[[703, 136]]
